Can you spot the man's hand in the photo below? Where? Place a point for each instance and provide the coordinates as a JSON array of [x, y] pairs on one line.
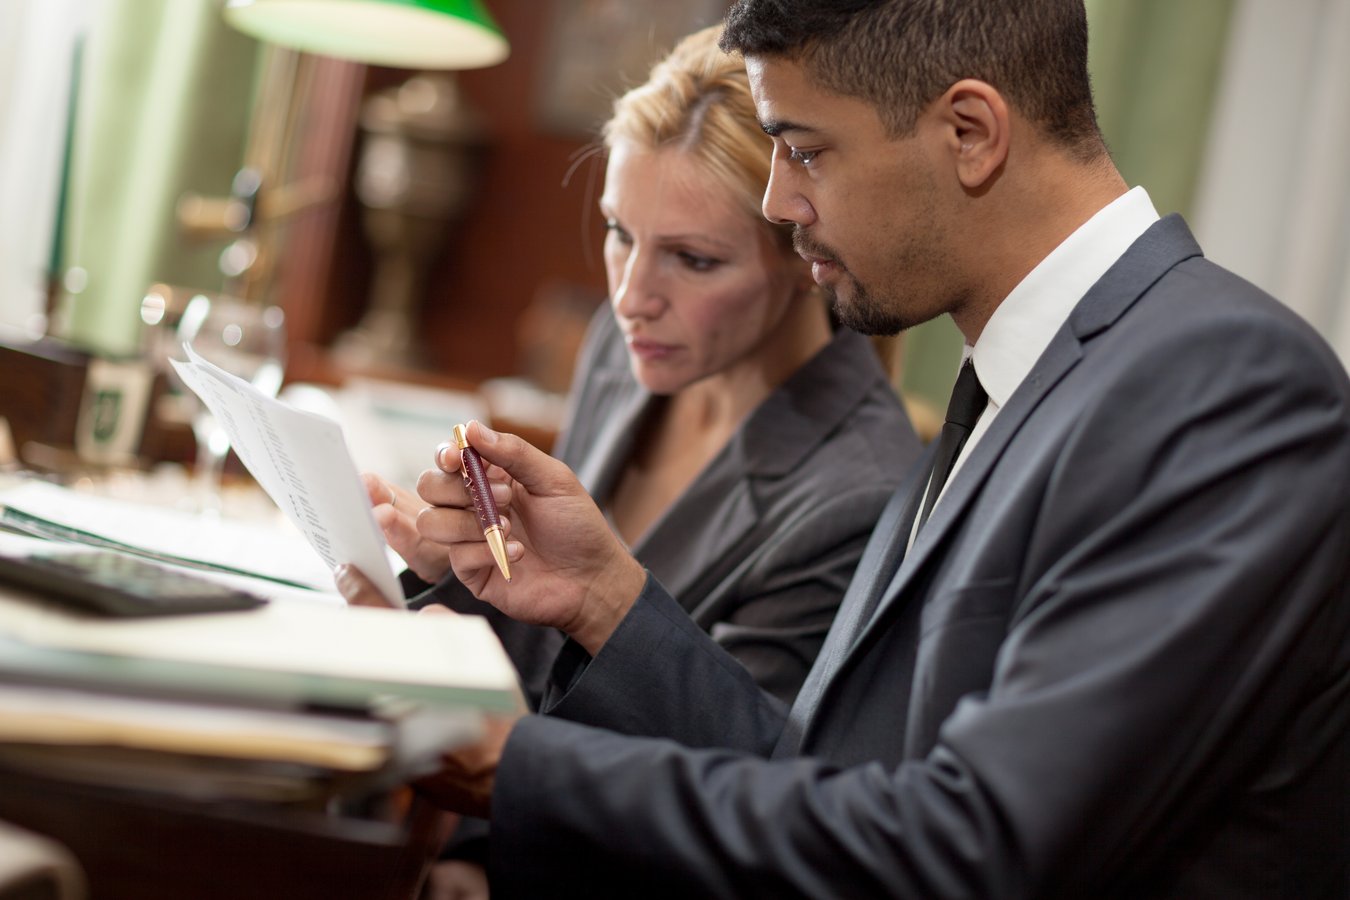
[[464, 784], [358, 590], [568, 569], [468, 773], [456, 879], [396, 511]]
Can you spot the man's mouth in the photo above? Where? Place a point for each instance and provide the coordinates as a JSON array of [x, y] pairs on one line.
[[823, 264]]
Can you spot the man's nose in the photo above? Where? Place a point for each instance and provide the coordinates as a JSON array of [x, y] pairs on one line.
[[784, 203]]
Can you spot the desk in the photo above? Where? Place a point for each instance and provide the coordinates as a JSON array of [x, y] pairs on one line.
[[141, 847]]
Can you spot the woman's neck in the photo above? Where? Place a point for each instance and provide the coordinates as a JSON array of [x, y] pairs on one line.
[[691, 427]]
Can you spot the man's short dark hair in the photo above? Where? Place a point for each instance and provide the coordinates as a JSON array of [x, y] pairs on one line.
[[900, 55]]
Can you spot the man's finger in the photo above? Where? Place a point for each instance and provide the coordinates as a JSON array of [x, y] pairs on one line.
[[471, 560], [358, 590], [442, 489], [536, 471], [453, 525]]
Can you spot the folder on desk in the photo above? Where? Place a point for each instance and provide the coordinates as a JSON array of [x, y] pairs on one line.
[[283, 655], [220, 752], [288, 703]]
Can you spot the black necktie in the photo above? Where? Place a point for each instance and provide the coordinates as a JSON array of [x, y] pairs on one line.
[[968, 401]]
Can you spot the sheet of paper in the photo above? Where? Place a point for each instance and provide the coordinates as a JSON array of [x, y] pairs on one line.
[[267, 549], [302, 461]]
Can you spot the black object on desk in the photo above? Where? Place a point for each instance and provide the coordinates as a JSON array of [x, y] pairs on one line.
[[115, 584]]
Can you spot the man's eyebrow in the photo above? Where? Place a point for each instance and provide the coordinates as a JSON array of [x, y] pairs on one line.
[[775, 127]]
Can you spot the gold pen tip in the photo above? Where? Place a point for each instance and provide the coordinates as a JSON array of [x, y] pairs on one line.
[[497, 544]]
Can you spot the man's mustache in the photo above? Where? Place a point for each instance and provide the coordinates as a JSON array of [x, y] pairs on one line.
[[806, 246]]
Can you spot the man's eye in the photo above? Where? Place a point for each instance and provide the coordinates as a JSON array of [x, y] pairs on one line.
[[802, 157]]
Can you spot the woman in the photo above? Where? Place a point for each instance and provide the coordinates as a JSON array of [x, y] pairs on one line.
[[714, 405]]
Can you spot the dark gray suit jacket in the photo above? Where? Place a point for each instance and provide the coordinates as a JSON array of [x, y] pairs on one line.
[[1116, 661], [762, 545]]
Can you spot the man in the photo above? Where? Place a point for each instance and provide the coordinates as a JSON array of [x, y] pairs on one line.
[[1109, 657]]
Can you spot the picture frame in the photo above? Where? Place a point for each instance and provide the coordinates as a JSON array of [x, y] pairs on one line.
[[597, 49]]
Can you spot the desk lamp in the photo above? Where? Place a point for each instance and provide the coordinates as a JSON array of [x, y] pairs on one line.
[[409, 34]]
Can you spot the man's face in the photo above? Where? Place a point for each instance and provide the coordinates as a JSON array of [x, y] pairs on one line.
[[869, 209]]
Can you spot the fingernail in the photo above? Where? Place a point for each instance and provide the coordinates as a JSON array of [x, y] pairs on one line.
[[487, 434], [514, 550], [443, 456]]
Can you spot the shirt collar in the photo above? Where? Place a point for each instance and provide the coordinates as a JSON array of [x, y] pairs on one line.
[[1023, 324]]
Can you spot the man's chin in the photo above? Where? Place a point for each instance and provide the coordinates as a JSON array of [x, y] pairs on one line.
[[861, 314]]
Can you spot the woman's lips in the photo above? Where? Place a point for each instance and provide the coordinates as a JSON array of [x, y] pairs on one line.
[[647, 349]]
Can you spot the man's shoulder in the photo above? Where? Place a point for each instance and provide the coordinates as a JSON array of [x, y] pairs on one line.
[[1211, 312]]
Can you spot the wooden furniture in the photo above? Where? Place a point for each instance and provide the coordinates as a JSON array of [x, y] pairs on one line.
[[40, 392], [139, 846]]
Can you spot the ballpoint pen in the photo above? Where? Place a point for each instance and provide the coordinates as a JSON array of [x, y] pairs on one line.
[[475, 479]]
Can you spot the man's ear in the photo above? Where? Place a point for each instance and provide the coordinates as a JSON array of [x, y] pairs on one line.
[[977, 123]]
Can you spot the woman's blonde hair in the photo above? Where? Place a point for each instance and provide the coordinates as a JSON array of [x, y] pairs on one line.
[[697, 100]]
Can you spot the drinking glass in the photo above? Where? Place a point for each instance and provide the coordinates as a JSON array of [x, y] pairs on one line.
[[245, 339]]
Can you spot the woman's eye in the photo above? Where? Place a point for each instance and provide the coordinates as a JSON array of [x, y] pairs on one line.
[[698, 263], [617, 231], [802, 157]]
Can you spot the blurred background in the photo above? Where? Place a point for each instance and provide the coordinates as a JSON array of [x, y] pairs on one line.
[[430, 233]]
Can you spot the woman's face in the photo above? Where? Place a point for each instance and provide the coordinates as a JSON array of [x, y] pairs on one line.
[[697, 283]]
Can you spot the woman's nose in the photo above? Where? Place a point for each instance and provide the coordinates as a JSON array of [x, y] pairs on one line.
[[638, 293]]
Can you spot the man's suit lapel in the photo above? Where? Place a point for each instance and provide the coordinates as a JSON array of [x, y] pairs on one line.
[[1164, 245], [881, 557], [1058, 359]]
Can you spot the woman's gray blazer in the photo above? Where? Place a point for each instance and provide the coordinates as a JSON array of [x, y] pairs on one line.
[[761, 546]]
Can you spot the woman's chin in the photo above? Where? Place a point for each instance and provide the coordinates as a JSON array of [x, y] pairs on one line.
[[659, 380]]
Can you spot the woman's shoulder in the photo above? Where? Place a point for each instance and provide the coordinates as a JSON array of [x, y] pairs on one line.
[[839, 405], [604, 338], [602, 385]]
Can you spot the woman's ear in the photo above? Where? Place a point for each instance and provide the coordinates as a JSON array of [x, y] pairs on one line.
[[977, 123]]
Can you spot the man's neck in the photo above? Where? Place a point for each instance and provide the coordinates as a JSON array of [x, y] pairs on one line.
[[1048, 200]]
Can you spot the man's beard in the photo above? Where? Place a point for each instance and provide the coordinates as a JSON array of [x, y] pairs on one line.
[[861, 312]]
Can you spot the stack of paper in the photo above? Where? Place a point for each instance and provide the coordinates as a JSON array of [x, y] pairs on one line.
[[271, 552], [285, 702], [215, 751], [290, 702]]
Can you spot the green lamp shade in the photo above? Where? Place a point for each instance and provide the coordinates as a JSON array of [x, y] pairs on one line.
[[410, 34]]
